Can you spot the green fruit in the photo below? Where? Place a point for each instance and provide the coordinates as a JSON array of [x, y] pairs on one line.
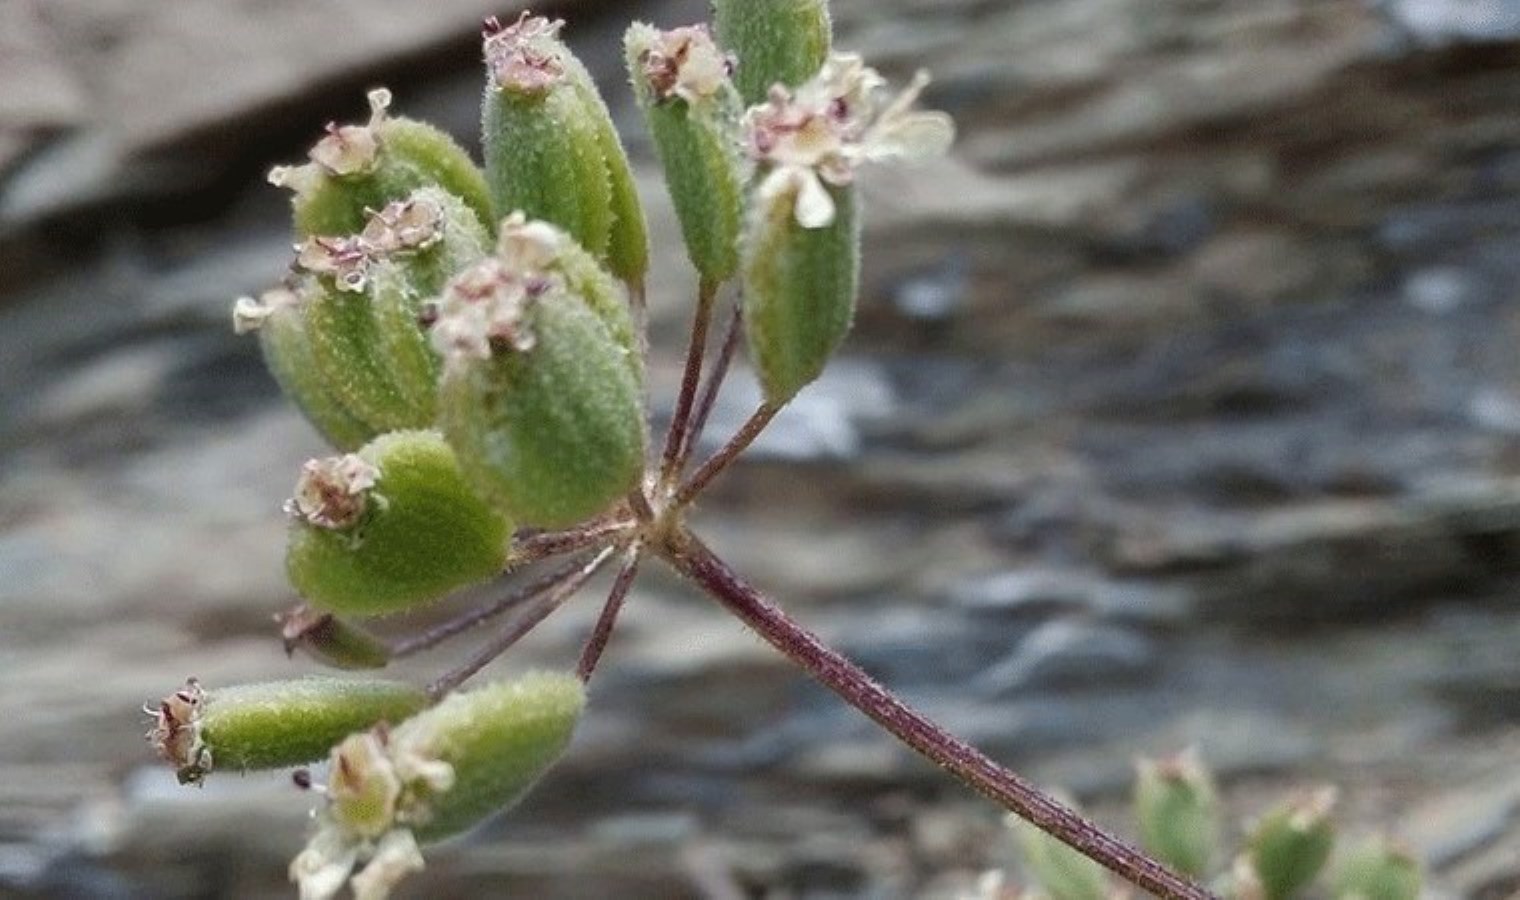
[[693, 116], [552, 432], [271, 725], [281, 326], [356, 169], [499, 739], [777, 41], [799, 291], [391, 527]]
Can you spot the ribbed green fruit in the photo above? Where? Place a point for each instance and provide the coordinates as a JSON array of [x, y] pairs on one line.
[[777, 41], [418, 533], [628, 239], [273, 724], [409, 155], [799, 292], [697, 139], [1178, 812], [353, 360], [499, 739], [288, 355], [553, 434], [545, 158]]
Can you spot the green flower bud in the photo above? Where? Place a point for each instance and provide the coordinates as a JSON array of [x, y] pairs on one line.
[[551, 149], [1064, 873], [539, 397], [1290, 845], [278, 318], [358, 168], [1178, 812], [330, 640], [681, 81], [777, 41], [390, 527], [1378, 871], [271, 725], [437, 774]]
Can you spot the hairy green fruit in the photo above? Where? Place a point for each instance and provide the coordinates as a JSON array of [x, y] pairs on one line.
[[799, 291], [359, 168], [499, 738], [777, 41], [330, 640], [435, 775], [270, 725], [551, 431], [550, 147], [390, 527], [1291, 844], [681, 81], [277, 316], [1178, 812]]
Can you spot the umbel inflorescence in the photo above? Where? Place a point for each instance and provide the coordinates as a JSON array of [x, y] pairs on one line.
[[471, 341]]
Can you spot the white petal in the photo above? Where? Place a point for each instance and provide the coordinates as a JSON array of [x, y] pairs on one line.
[[396, 857], [917, 135], [321, 869], [815, 208]]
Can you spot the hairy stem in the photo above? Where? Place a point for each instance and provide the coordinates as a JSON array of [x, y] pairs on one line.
[[675, 438], [535, 547], [694, 560], [547, 602], [720, 460], [712, 386], [591, 654], [523, 594]]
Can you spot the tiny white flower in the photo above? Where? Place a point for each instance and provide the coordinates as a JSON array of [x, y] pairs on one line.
[[817, 136], [396, 856], [401, 225], [484, 306]]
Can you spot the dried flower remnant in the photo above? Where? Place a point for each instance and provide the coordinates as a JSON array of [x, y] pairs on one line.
[[685, 63], [831, 125], [516, 56], [176, 732], [345, 150], [345, 259], [485, 308], [334, 492], [401, 225]]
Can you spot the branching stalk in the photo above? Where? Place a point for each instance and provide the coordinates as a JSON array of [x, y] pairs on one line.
[[691, 558], [720, 460], [476, 617], [536, 547], [591, 654], [547, 602], [680, 420], [712, 386]]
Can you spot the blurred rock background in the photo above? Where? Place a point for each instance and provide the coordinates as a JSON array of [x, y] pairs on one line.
[[1183, 408]]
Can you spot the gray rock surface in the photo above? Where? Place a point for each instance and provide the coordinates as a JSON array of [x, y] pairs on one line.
[[1181, 409]]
